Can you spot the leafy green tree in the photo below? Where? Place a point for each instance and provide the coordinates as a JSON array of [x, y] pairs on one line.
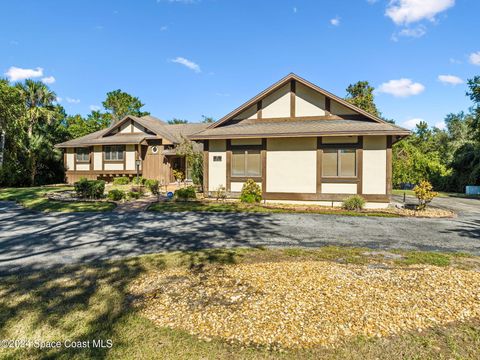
[[361, 94], [121, 104], [78, 126], [194, 158], [207, 119], [177, 121]]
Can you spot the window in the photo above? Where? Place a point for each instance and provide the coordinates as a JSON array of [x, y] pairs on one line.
[[339, 162], [114, 152], [217, 158], [246, 163], [83, 154]]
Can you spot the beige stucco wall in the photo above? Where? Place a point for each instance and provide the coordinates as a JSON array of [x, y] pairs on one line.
[[97, 157], [217, 170], [277, 104], [291, 165], [237, 186], [83, 167], [339, 188], [130, 157], [308, 102], [246, 141], [113, 166], [70, 159], [374, 165], [339, 109], [339, 139], [250, 113]]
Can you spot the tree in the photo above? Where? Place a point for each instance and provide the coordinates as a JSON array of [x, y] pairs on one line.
[[194, 158], [177, 121], [361, 95], [121, 104], [207, 119], [78, 126]]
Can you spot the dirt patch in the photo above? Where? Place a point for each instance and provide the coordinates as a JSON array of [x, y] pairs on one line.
[[307, 304]]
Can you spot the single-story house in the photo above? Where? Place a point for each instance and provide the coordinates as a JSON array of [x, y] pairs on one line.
[[116, 151], [300, 142]]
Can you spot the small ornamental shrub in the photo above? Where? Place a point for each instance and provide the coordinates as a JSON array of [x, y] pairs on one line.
[[424, 194], [122, 180], [133, 195], [354, 202], [116, 195], [251, 192], [185, 193], [153, 186], [139, 181], [178, 175], [220, 193], [89, 189]]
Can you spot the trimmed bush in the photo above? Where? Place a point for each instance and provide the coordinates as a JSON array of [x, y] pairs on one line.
[[153, 186], [89, 189], [220, 193], [185, 193], [123, 180], [140, 180], [133, 195], [354, 202], [424, 193], [251, 192], [116, 195]]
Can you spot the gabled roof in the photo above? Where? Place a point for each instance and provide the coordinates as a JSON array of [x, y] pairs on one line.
[[280, 84], [161, 130]]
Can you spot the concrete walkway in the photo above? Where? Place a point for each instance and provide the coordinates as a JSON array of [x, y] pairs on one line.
[[30, 240]]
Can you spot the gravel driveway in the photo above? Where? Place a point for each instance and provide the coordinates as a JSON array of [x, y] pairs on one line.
[[30, 240]]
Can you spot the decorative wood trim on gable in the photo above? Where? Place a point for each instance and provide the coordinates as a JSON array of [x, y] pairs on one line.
[[263, 155], [319, 164], [360, 166], [259, 109], [293, 97], [328, 105]]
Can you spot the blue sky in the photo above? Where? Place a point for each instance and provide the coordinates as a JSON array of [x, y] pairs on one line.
[[187, 58]]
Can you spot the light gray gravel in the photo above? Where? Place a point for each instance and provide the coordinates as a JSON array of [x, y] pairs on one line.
[[31, 240]]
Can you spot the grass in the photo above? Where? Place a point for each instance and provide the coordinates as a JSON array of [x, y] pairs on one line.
[[87, 302], [230, 206], [440, 194], [34, 198]]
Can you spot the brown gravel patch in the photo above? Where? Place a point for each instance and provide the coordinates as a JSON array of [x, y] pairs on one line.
[[307, 304]]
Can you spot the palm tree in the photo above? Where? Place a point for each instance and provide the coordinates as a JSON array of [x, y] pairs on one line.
[[38, 100]]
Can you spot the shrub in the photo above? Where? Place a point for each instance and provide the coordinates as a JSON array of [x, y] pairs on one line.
[[139, 181], [116, 195], [153, 186], [424, 194], [178, 175], [138, 189], [220, 193], [251, 192], [354, 202], [185, 193], [123, 180], [89, 189], [133, 195]]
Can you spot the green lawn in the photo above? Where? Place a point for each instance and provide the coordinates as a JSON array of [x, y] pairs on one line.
[[81, 303], [440, 194], [230, 206], [34, 198]]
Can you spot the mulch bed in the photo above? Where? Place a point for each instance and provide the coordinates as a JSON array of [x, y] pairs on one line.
[[306, 304]]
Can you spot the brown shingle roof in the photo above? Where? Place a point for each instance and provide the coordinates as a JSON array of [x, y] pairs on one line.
[[296, 128]]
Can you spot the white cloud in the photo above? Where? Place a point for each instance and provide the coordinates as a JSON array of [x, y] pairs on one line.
[[450, 79], [475, 58], [411, 123], [454, 61], [164, 28], [295, 10], [189, 64], [15, 73], [410, 11], [94, 107], [58, 99], [440, 125], [416, 32], [335, 21], [72, 101], [48, 80], [372, 1], [401, 88]]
